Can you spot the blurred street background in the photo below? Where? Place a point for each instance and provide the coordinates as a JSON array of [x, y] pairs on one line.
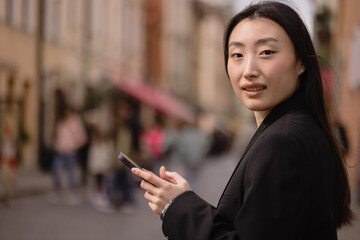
[[82, 80]]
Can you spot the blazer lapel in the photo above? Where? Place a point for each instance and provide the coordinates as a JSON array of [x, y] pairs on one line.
[[275, 114]]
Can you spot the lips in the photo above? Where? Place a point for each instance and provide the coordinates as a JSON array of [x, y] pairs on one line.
[[253, 87]]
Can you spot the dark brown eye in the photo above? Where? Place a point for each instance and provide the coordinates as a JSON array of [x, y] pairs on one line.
[[236, 55], [267, 52]]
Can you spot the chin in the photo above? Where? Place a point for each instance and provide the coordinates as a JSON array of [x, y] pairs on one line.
[[256, 109], [255, 106]]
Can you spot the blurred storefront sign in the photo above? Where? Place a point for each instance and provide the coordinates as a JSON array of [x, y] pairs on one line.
[[157, 99]]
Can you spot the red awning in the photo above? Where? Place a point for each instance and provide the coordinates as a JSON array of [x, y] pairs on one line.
[[161, 101]]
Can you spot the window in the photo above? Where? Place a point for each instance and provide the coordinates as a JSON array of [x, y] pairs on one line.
[[9, 17], [25, 16], [56, 29], [72, 13], [52, 20]]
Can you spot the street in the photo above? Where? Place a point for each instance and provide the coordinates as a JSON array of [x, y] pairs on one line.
[[33, 217]]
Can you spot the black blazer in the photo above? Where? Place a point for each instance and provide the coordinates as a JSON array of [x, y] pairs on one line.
[[282, 188]]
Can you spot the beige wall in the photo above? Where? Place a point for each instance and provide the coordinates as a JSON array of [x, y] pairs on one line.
[[17, 59]]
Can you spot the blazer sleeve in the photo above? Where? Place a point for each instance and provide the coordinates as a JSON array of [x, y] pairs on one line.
[[190, 217], [274, 200]]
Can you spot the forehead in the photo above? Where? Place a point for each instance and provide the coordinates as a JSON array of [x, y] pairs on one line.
[[249, 30]]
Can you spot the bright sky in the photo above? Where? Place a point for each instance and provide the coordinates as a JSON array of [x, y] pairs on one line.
[[306, 10]]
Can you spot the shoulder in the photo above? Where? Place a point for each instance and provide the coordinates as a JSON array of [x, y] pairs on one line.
[[284, 143], [296, 125], [276, 160], [296, 119], [280, 145], [288, 132], [292, 141]]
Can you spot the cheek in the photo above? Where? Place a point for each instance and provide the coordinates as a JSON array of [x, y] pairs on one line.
[[235, 86], [234, 77], [282, 74], [234, 72], [230, 70]]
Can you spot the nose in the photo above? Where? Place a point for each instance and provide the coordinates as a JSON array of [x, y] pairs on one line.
[[250, 68]]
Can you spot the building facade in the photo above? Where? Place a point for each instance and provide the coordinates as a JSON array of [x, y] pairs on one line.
[[18, 76], [192, 54], [69, 45], [174, 46]]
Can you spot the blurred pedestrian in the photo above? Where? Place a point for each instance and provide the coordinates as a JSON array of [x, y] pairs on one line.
[[193, 145], [122, 189], [171, 151], [83, 157], [101, 153], [69, 137], [291, 181], [152, 140], [8, 162]]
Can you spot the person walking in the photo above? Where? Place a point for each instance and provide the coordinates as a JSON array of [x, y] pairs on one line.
[[101, 155], [70, 136]]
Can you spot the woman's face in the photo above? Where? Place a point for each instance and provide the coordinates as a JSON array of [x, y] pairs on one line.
[[262, 65]]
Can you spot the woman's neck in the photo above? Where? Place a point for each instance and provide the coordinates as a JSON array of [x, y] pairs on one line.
[[260, 116]]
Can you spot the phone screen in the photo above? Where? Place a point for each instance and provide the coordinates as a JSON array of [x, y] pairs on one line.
[[127, 161]]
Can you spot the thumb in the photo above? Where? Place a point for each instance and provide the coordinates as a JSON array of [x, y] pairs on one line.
[[177, 178], [165, 176]]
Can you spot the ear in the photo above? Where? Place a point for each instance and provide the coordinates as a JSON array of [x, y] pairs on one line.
[[302, 69]]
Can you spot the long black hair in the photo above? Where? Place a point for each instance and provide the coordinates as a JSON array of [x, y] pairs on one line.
[[310, 84]]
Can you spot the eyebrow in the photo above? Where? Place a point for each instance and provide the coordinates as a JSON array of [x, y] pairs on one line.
[[258, 42]]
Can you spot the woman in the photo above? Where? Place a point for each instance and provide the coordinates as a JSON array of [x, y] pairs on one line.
[[290, 182], [70, 135]]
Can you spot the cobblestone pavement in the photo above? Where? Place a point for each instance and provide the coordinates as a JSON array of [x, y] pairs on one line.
[[31, 216]]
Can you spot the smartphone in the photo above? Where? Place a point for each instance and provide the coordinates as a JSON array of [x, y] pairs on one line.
[[130, 163], [127, 161]]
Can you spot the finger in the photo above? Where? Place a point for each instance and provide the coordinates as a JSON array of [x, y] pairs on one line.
[[175, 176], [155, 208], [162, 172], [142, 169], [150, 197], [178, 179], [164, 176], [147, 171], [148, 176], [150, 173], [147, 186]]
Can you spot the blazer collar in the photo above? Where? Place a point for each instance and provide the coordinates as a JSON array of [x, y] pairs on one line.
[[294, 102]]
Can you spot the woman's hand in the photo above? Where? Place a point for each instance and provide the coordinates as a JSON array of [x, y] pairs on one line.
[[161, 190]]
